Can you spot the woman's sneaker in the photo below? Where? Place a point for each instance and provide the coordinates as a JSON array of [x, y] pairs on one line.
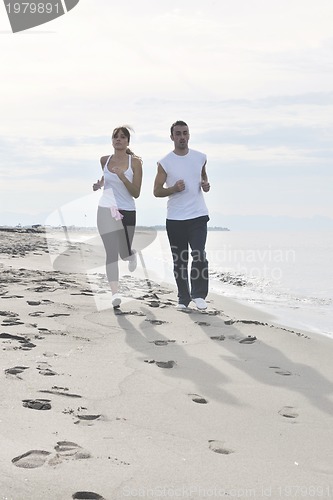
[[116, 300]]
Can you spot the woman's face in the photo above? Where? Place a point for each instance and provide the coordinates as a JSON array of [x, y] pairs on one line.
[[119, 140]]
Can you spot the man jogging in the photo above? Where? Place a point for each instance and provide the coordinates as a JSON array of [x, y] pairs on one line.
[[183, 173]]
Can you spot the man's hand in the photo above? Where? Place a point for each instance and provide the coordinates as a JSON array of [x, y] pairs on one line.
[[179, 186], [205, 186]]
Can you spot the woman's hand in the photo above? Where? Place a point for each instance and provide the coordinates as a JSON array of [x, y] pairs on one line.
[[98, 184], [118, 171]]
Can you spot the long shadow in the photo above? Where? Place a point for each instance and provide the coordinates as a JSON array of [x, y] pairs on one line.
[[208, 380], [280, 369]]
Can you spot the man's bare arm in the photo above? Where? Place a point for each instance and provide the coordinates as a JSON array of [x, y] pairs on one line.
[[159, 190], [204, 179]]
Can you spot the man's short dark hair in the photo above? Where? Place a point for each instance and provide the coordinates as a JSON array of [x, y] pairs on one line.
[[178, 122]]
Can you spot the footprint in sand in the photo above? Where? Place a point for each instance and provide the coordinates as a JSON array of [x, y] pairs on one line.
[[12, 297], [248, 340], [161, 342], [87, 292], [44, 369], [119, 312], [156, 321], [41, 289], [12, 322], [288, 412], [16, 370], [9, 314], [46, 372], [218, 337], [165, 364], [56, 315], [36, 313], [214, 312], [31, 459], [87, 419], [87, 495], [26, 344], [68, 449], [154, 303], [9, 336], [161, 364], [245, 322], [198, 399], [44, 331], [218, 447], [37, 404], [280, 371]]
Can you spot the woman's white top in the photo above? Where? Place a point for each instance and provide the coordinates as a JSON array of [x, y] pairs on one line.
[[115, 194]]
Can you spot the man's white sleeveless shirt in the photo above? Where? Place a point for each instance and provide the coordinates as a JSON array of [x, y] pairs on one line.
[[190, 203]]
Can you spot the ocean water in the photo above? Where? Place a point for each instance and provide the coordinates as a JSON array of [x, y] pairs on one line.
[[286, 274]]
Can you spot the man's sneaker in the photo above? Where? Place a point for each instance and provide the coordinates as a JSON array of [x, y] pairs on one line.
[[116, 300], [181, 307], [132, 262], [200, 303]]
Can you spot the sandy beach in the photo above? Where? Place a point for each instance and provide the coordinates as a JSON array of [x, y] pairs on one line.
[[149, 402]]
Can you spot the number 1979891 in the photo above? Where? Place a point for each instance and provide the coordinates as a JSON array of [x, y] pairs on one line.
[[305, 491], [32, 8]]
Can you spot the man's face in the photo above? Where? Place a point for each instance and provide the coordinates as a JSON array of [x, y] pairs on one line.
[[180, 136]]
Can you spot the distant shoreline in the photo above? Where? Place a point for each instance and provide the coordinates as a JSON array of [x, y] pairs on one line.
[[38, 228]]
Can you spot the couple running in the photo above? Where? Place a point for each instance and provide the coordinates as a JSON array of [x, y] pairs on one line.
[[182, 177]]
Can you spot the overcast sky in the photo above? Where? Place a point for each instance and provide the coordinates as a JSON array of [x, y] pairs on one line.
[[252, 78]]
